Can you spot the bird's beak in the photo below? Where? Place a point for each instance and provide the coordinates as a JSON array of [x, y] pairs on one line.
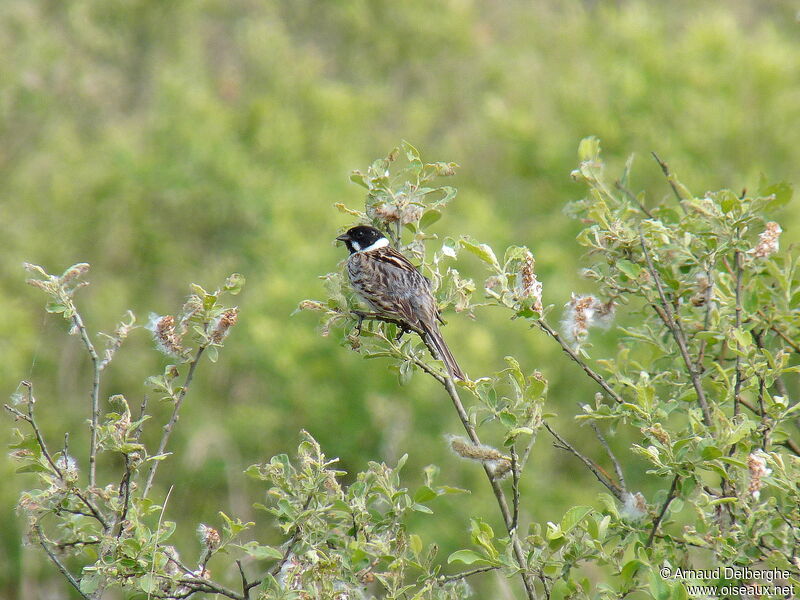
[[343, 238]]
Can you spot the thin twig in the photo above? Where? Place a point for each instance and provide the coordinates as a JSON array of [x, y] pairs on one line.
[[158, 531], [450, 388], [95, 394], [421, 364], [526, 454], [737, 386], [290, 544], [245, 589], [791, 445], [75, 544], [632, 197], [792, 344], [286, 553], [598, 471], [137, 433], [574, 356], [670, 497], [31, 420], [671, 179], [499, 495], [124, 494], [57, 562], [162, 446], [708, 295], [611, 455], [546, 587], [515, 486], [765, 427], [668, 317], [199, 584], [459, 576]]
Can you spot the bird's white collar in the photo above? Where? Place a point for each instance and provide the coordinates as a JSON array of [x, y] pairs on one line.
[[381, 243]]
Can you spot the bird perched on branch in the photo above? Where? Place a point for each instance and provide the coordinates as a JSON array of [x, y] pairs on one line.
[[393, 287]]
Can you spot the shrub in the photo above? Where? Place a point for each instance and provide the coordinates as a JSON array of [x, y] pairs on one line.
[[706, 303]]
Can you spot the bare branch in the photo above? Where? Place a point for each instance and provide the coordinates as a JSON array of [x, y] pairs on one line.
[[75, 544], [162, 446], [245, 589], [95, 394], [31, 420], [158, 531], [499, 495], [632, 197], [125, 494], [57, 562], [709, 292], [574, 356], [671, 179], [791, 445], [598, 471], [792, 344], [458, 576], [289, 545], [206, 585], [668, 317], [737, 387], [670, 497], [515, 486], [611, 455]]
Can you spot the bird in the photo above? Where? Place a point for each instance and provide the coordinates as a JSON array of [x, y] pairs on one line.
[[392, 286]]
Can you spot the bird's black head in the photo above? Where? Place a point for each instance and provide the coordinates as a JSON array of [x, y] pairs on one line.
[[363, 238]]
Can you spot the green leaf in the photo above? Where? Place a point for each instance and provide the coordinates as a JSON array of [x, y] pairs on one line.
[[782, 191], [610, 503], [446, 489], [55, 307], [630, 569], [412, 154], [482, 251], [234, 283], [632, 270], [744, 338], [711, 453], [90, 582], [416, 543], [32, 468], [424, 494], [260, 552], [520, 431], [574, 516], [508, 419], [728, 201], [429, 218], [213, 353], [589, 149], [359, 178], [148, 583], [467, 557]]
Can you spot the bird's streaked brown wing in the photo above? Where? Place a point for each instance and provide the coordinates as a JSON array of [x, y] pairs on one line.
[[390, 256]]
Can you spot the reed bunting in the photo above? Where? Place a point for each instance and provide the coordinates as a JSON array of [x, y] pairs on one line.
[[392, 286]]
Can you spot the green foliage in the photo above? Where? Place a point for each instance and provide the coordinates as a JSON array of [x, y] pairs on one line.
[[117, 531], [180, 141], [698, 354], [698, 378]]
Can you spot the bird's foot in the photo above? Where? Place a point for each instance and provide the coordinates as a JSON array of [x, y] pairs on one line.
[[402, 330]]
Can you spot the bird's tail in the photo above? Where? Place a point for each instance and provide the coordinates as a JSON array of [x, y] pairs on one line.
[[436, 341]]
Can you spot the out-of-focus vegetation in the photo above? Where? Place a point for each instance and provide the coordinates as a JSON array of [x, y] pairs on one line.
[[167, 142]]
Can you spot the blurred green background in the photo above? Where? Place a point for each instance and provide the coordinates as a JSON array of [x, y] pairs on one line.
[[167, 142]]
